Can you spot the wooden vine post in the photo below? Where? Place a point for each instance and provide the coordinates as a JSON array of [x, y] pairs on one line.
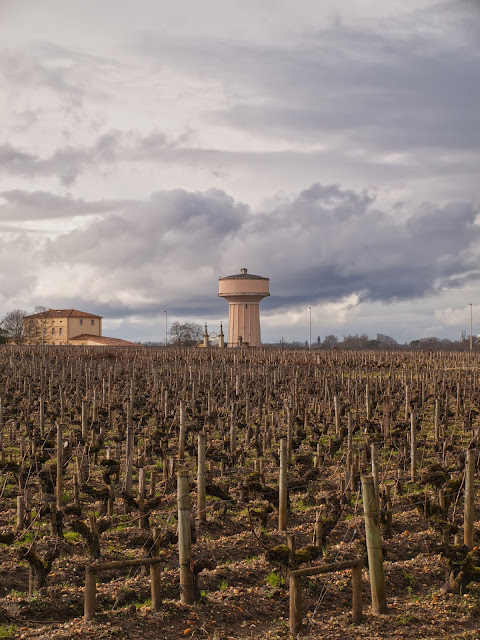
[[318, 530], [201, 479], [289, 434], [357, 604], [20, 512], [282, 486], [141, 498], [374, 546], [407, 402], [59, 488], [336, 407], [155, 578], [367, 401], [84, 420], [413, 447], [233, 430], [184, 539], [375, 470], [89, 594], [181, 437], [469, 511], [129, 449], [41, 416], [437, 420], [296, 604]]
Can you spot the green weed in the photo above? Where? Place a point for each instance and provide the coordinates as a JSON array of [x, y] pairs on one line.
[[300, 505], [7, 630], [145, 603], [26, 539], [403, 621], [409, 580], [274, 579], [71, 536]]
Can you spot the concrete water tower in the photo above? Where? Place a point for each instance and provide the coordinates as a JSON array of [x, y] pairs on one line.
[[243, 293]]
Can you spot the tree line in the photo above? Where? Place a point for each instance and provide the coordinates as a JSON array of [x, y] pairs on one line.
[[188, 334], [381, 342]]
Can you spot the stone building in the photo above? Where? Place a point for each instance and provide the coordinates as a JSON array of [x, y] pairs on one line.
[[67, 327]]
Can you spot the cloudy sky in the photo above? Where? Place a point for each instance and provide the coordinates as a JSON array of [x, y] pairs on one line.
[[149, 147]]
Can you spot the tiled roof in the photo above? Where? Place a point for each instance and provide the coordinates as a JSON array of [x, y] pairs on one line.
[[110, 342], [63, 313]]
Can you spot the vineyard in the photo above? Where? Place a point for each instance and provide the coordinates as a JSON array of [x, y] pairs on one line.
[[238, 494]]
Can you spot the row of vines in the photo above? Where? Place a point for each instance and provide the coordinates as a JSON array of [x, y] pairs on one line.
[[94, 444]]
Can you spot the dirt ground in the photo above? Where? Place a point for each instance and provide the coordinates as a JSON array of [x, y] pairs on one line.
[[243, 584], [243, 595]]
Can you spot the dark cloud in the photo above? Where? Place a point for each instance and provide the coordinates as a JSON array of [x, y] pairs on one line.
[[15, 161], [344, 244], [168, 225], [325, 244], [43, 205], [68, 162], [65, 163]]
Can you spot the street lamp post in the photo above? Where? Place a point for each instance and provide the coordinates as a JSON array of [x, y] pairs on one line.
[[471, 333], [310, 328], [166, 327]]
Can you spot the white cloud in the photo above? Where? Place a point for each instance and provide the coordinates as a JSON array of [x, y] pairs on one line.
[[328, 313], [455, 317]]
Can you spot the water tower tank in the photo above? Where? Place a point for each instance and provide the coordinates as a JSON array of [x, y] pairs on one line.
[[243, 292]]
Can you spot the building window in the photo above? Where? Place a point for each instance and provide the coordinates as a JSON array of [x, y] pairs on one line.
[[81, 322], [93, 322], [60, 331], [53, 331]]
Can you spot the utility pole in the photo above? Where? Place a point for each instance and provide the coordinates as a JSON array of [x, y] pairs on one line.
[[310, 328], [471, 333]]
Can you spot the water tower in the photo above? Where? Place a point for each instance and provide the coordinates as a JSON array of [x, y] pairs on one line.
[[243, 293]]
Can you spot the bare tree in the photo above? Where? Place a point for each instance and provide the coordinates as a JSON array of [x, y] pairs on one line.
[[330, 341], [355, 341], [13, 325], [37, 326], [386, 342], [186, 334]]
